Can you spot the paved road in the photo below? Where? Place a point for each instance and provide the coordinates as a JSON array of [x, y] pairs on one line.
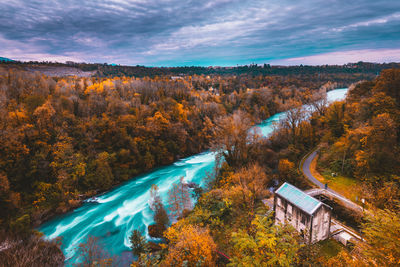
[[307, 173], [307, 170]]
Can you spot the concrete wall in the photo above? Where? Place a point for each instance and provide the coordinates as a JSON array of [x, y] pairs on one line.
[[301, 221], [321, 224]]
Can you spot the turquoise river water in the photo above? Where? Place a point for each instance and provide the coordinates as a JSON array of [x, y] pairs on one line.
[[124, 208]]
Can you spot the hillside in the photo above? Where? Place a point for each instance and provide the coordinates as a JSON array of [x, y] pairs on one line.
[[68, 138], [4, 59], [347, 73]]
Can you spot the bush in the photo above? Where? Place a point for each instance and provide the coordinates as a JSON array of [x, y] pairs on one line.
[[156, 230]]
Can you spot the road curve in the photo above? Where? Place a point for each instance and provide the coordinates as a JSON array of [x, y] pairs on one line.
[[306, 169]]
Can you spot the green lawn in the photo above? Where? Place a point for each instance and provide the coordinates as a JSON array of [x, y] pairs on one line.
[[348, 187], [330, 248]]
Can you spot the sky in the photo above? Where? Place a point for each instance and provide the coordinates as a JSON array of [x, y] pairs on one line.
[[201, 32]]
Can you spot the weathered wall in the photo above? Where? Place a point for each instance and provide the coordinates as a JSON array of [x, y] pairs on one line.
[[301, 221], [321, 224]]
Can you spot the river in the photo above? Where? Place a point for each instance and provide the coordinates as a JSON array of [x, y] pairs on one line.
[[125, 208]]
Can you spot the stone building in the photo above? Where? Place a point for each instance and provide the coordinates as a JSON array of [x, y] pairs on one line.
[[309, 216]]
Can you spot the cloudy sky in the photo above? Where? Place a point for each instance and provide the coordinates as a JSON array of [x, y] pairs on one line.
[[201, 32]]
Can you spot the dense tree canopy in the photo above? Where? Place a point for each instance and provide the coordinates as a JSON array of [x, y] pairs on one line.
[[64, 139]]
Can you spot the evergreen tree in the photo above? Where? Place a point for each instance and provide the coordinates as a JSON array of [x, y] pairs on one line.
[[179, 199], [160, 214], [138, 243]]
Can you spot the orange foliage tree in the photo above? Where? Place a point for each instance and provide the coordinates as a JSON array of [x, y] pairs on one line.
[[190, 245]]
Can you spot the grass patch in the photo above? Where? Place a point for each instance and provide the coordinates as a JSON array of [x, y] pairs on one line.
[[346, 186], [330, 248]]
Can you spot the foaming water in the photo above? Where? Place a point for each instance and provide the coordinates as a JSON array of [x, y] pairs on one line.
[[117, 212], [337, 94]]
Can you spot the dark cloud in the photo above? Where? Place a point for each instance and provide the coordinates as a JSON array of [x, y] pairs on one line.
[[178, 32]]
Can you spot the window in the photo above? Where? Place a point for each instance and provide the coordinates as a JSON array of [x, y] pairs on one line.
[[289, 212], [278, 202], [303, 219], [289, 208]]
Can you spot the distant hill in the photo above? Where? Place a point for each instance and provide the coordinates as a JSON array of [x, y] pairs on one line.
[[347, 73], [4, 59]]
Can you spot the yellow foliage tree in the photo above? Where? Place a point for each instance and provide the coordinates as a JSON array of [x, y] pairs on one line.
[[250, 185], [190, 245], [265, 244]]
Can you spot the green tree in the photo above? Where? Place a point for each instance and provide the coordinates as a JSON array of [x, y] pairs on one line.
[[381, 233], [138, 243], [160, 214], [100, 174], [265, 244]]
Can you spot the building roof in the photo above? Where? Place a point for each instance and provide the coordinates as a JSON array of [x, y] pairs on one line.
[[298, 198]]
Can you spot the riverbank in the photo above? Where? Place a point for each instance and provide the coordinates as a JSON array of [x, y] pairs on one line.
[[125, 208]]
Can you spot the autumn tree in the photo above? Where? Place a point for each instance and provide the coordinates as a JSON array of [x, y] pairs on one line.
[[295, 114], [31, 251], [9, 200], [377, 103], [382, 194], [334, 118], [319, 101], [232, 138], [179, 199], [92, 253], [342, 152], [379, 147], [381, 233], [288, 171], [44, 116], [345, 259], [389, 83], [189, 245], [70, 168], [250, 184]]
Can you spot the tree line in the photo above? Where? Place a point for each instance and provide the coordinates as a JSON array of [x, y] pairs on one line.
[[64, 139], [350, 72], [359, 137]]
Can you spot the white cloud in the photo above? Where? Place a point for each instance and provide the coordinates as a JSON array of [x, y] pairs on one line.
[[27, 52], [343, 57], [382, 20], [233, 29], [178, 32]]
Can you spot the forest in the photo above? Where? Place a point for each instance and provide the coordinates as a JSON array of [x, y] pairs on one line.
[[359, 138], [64, 139], [349, 73]]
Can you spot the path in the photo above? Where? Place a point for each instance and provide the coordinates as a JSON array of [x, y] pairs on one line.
[[305, 168], [337, 228]]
